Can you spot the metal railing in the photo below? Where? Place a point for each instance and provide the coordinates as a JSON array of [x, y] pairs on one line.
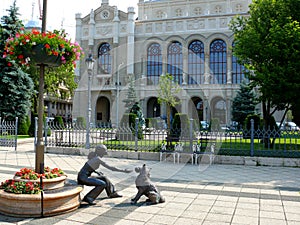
[[261, 142], [8, 133]]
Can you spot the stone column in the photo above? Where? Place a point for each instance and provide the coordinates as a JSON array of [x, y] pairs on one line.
[[91, 30], [207, 69], [130, 41], [229, 68]]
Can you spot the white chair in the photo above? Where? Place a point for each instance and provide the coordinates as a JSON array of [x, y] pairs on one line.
[[163, 151], [210, 153], [178, 149], [196, 152]]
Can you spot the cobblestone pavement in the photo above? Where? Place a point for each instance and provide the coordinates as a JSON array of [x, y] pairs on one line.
[[215, 194]]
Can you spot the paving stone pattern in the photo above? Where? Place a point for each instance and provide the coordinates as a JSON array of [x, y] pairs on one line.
[[205, 194]]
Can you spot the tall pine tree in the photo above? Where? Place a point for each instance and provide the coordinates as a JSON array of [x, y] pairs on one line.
[[131, 95], [244, 103], [16, 87]]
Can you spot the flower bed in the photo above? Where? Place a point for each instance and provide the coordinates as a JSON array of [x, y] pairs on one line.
[[28, 205], [26, 181], [23, 196]]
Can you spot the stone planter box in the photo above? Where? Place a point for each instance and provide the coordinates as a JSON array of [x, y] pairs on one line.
[[42, 204], [48, 184]]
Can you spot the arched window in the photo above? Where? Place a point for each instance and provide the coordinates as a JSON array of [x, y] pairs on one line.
[[154, 63], [196, 62], [175, 61], [218, 62], [104, 59], [237, 70]]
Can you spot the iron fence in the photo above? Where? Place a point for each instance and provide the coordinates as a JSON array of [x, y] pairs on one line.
[[261, 142], [8, 133]]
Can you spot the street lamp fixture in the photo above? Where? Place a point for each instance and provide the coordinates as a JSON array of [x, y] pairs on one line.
[[90, 65]]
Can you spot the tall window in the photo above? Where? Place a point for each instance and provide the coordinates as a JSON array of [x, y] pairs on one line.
[[175, 61], [237, 70], [218, 62], [104, 61], [196, 62], [154, 63]]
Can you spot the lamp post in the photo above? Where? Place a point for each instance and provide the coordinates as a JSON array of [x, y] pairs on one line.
[[40, 146], [118, 92], [90, 65]]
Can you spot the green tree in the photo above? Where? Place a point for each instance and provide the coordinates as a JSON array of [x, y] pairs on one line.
[[60, 78], [267, 43], [167, 90], [244, 103], [131, 99], [16, 87]]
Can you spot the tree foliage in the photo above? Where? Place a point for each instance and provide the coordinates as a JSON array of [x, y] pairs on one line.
[[60, 78], [131, 95], [167, 90], [16, 87], [268, 44], [244, 103]]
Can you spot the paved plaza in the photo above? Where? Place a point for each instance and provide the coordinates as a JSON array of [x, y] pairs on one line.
[[205, 194]]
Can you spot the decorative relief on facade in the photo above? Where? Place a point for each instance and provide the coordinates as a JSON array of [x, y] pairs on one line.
[[85, 32], [218, 9], [223, 23], [212, 23], [178, 12], [196, 24], [104, 30], [159, 27], [149, 28], [124, 28], [179, 26], [105, 14], [138, 28], [160, 14], [197, 11], [169, 26], [238, 8]]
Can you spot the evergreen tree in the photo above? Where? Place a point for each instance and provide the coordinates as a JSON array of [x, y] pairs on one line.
[[131, 103], [131, 95], [244, 103], [16, 87]]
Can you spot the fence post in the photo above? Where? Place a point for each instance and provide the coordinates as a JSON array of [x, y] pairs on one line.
[[16, 133], [46, 127], [136, 133], [252, 138], [35, 132], [191, 134]]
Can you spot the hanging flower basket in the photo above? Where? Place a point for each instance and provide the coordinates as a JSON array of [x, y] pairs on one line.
[[35, 48], [38, 55]]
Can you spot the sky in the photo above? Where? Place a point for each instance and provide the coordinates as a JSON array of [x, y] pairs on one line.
[[61, 13]]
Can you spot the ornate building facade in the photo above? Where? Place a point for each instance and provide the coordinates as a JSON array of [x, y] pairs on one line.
[[189, 39]]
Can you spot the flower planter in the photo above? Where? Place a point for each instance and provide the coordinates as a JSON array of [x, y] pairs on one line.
[[50, 203], [42, 48], [39, 56], [48, 184]]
